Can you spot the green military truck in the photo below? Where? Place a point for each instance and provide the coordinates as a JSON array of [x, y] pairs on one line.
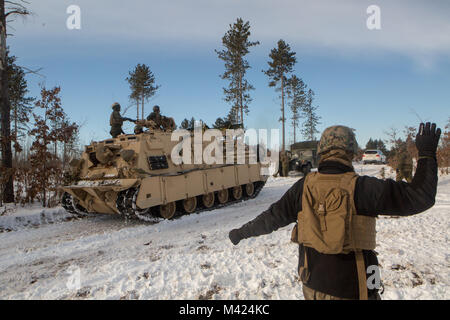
[[303, 156]]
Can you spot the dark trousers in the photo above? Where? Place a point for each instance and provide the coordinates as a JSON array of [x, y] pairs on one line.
[[311, 294]]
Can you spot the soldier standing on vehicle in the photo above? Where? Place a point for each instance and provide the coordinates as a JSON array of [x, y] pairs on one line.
[[116, 120], [335, 210], [404, 165], [156, 116], [138, 129], [162, 122]]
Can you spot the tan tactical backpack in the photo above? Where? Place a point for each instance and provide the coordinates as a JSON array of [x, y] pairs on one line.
[[328, 221]]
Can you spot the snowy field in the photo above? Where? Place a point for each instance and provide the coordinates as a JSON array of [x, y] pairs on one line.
[[49, 255]]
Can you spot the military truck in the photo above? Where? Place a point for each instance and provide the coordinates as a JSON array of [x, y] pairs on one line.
[[303, 156], [133, 175]]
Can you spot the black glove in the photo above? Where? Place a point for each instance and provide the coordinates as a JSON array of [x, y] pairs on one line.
[[234, 236], [427, 140]]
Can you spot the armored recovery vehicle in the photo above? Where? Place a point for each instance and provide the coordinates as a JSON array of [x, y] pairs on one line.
[[134, 176]]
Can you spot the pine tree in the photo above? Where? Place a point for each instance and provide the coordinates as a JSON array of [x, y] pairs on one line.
[[223, 123], [370, 144], [381, 146], [14, 8], [189, 124], [296, 92], [142, 85], [309, 129], [282, 63], [376, 144], [19, 102], [236, 43], [219, 123]]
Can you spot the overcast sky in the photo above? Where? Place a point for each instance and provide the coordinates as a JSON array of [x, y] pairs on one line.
[[368, 79]]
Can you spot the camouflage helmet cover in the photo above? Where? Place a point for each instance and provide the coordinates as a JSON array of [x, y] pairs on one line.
[[115, 106], [138, 129], [338, 137], [155, 108]]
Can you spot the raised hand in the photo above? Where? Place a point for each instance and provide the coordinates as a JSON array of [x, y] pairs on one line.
[[427, 139]]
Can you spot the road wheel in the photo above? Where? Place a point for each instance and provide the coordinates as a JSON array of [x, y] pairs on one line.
[[208, 200], [190, 204], [250, 189], [167, 211], [237, 192], [222, 196]]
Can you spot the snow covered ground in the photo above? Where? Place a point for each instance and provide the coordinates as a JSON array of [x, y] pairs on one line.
[[52, 256]]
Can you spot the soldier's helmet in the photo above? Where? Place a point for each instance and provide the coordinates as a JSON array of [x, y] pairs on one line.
[[115, 106], [138, 129], [338, 137], [156, 109]]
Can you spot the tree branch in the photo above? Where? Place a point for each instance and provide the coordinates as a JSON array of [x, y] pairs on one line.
[[36, 72], [127, 108], [21, 12], [13, 3]]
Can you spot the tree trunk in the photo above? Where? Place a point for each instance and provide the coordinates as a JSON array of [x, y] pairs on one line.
[[295, 124], [142, 114], [64, 157], [64, 147], [44, 194], [44, 165], [282, 110], [241, 102], [137, 109], [5, 109], [15, 133]]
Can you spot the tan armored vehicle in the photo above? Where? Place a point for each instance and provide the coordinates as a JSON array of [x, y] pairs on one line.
[[134, 176]]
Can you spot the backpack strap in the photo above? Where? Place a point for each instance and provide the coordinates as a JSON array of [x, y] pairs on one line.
[[348, 182], [362, 281], [303, 271]]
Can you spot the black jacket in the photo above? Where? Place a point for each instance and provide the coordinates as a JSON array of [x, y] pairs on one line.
[[336, 274]]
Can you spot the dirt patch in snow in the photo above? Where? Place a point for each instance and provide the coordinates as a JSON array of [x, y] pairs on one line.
[[208, 295]]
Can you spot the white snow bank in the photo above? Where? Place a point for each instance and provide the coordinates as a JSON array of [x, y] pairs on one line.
[[18, 218]]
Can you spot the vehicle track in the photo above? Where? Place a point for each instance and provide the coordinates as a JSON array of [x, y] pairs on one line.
[[126, 205]]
